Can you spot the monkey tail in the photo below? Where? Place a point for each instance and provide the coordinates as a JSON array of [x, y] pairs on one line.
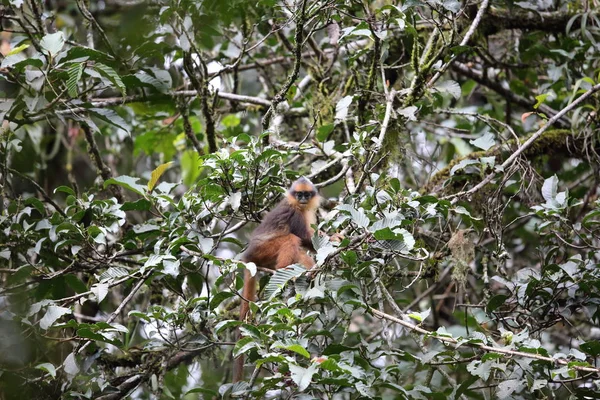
[[248, 293]]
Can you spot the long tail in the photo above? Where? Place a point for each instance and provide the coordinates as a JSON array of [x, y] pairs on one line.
[[249, 293]]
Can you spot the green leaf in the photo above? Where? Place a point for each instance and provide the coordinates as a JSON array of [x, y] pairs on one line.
[[496, 302], [49, 368], [540, 100], [465, 385], [74, 73], [111, 75], [128, 182], [230, 323], [323, 132], [156, 174], [87, 333], [78, 52], [420, 316], [243, 345], [462, 164], [139, 205], [211, 394], [592, 348], [191, 167], [219, 298], [65, 189], [295, 347]]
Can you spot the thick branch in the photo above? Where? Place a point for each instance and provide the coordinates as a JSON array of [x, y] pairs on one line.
[[553, 21]]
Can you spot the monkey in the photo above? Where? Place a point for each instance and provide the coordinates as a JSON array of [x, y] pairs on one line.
[[282, 238]]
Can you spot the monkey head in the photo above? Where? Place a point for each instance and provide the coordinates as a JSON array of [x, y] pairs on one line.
[[303, 194]]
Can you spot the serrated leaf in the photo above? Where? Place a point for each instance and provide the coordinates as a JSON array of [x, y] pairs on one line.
[[230, 323], [281, 277], [508, 387], [111, 75], [127, 182], [358, 216], [151, 81], [451, 87], [113, 273], [156, 174], [74, 73], [111, 117], [480, 369]]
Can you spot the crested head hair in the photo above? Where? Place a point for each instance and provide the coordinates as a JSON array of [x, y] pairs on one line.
[[303, 184]]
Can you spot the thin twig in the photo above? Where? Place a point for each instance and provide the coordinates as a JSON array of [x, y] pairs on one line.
[[464, 42], [47, 198], [527, 144], [500, 350], [280, 96]]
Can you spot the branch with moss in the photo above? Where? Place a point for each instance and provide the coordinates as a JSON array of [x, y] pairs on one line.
[[553, 142]]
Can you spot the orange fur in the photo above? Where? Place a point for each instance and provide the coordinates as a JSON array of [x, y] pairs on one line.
[[282, 239]]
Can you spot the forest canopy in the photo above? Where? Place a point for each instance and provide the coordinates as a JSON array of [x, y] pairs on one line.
[[455, 145]]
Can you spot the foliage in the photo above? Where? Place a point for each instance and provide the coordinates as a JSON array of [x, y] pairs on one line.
[[456, 144]]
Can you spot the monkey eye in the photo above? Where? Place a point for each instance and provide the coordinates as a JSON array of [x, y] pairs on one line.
[[304, 194]]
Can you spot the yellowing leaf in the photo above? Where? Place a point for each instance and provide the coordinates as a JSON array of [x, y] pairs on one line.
[[17, 50], [157, 173]]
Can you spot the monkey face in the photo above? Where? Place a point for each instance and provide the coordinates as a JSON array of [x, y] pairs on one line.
[[303, 197], [303, 194]]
